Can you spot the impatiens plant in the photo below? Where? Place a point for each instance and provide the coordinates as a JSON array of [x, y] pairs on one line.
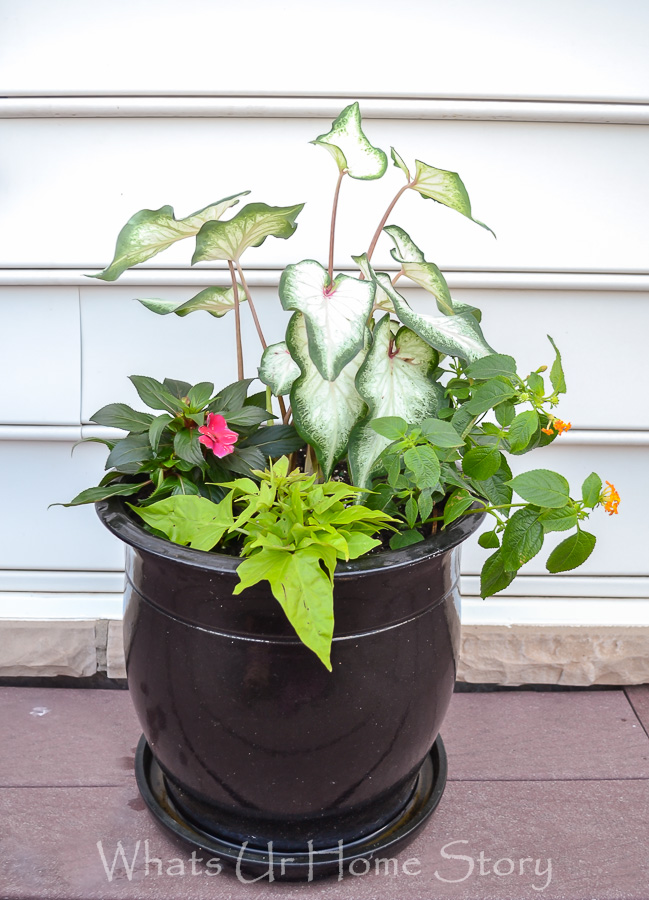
[[392, 419]]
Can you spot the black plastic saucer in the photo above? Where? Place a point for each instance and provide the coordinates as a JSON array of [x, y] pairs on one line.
[[292, 865]]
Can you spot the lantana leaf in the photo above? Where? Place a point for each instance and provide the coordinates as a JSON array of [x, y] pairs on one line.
[[150, 231], [444, 187], [278, 369], [217, 301], [249, 228], [394, 380], [350, 148], [336, 313]]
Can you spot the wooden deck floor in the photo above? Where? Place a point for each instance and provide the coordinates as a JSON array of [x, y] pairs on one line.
[[548, 796]]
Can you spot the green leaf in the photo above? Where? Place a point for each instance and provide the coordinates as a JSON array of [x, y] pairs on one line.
[[496, 489], [278, 369], [336, 314], [562, 519], [395, 381], [457, 503], [359, 544], [129, 453], [156, 429], [155, 394], [489, 540], [444, 187], [491, 366], [415, 267], [522, 430], [457, 335], [275, 440], [119, 415], [522, 539], [217, 301], [440, 434], [494, 576], [411, 511], [591, 490], [94, 494], [324, 411], [505, 413], [557, 378], [542, 487], [199, 395], [425, 504], [481, 462], [571, 553], [381, 299], [178, 389], [249, 228], [150, 231], [391, 427], [423, 462], [350, 148], [490, 394], [187, 447], [399, 163], [233, 396], [405, 539], [247, 416], [188, 519]]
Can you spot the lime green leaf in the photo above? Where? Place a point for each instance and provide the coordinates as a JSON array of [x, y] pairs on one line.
[[119, 415], [457, 503], [591, 489], [481, 462], [324, 411], [399, 163], [415, 267], [336, 314], [491, 366], [562, 519], [543, 488], [489, 394], [522, 430], [423, 462], [444, 187], [350, 148], [489, 540], [457, 335], [571, 553], [405, 539], [155, 394], [440, 434], [249, 228], [395, 380], [94, 494], [391, 427], [150, 231], [557, 378], [217, 301], [358, 544], [189, 519], [522, 539], [278, 369], [494, 576]]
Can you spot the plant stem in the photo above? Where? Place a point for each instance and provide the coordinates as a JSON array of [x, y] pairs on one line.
[[397, 277], [251, 305], [377, 233], [332, 230], [287, 415], [237, 322]]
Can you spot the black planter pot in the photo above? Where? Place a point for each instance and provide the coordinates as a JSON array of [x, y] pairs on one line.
[[252, 743]]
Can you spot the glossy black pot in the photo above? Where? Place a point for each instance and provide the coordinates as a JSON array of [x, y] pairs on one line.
[[256, 740]]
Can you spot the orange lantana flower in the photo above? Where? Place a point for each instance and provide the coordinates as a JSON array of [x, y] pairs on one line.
[[558, 426], [611, 499]]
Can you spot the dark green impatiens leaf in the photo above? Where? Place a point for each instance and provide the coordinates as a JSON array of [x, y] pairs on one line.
[[200, 394], [94, 494], [350, 148], [129, 453], [187, 447], [155, 394], [572, 552], [249, 228], [119, 415], [542, 487]]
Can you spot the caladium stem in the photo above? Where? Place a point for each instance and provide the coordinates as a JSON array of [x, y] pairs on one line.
[[237, 321], [332, 230], [251, 305], [377, 233]]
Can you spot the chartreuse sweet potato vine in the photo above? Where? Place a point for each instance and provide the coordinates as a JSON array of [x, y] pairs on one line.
[[415, 407]]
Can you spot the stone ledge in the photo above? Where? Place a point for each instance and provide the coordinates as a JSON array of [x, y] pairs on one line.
[[491, 654]]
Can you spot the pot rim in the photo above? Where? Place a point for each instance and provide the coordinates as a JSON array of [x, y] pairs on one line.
[[114, 514]]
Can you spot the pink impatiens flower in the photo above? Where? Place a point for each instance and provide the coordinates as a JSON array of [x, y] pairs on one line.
[[217, 436]]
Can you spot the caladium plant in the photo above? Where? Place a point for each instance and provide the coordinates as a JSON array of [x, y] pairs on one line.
[[392, 420]]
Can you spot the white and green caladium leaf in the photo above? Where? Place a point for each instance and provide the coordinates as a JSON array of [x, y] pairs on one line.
[[249, 228], [444, 187], [217, 301], [278, 369], [399, 163], [324, 411], [415, 267], [381, 299], [350, 148], [394, 380], [150, 231], [336, 313], [459, 335]]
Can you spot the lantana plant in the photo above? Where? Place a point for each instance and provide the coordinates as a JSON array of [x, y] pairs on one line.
[[393, 423]]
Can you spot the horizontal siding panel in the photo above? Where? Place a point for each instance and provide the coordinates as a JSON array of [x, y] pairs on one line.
[[557, 195], [554, 49]]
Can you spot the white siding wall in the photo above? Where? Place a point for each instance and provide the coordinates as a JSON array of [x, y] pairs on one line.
[[109, 108]]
